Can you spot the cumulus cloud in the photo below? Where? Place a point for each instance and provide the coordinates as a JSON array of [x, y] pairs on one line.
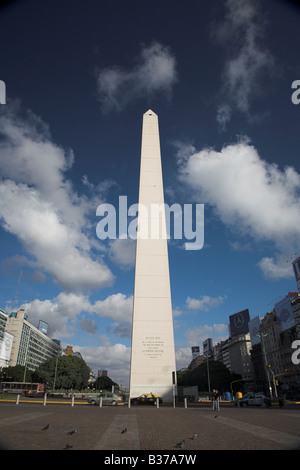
[[250, 195], [122, 252], [88, 325], [205, 303], [115, 358], [154, 73], [39, 206], [116, 306], [247, 59], [195, 336], [62, 313], [275, 268], [183, 356]]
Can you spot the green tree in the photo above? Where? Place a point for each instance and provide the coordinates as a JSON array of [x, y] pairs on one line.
[[219, 377], [105, 383], [63, 372], [15, 374]]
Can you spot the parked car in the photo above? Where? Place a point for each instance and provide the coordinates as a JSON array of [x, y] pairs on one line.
[[146, 399], [255, 399], [108, 398]]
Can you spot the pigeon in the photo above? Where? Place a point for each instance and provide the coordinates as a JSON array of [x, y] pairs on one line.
[[46, 427], [123, 431], [68, 446], [180, 444], [72, 432], [194, 435]]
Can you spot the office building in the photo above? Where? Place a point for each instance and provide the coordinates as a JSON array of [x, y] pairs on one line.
[[30, 346]]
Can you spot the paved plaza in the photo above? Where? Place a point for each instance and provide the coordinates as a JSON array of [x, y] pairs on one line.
[[147, 428]]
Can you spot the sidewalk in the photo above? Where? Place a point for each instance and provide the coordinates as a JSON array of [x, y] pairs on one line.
[[147, 428]]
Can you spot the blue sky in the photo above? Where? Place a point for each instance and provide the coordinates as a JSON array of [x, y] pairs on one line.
[[79, 77]]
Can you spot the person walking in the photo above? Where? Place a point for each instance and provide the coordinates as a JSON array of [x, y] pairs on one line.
[[212, 397], [216, 398]]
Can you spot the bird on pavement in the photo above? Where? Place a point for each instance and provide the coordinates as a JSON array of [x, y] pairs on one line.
[[194, 435], [180, 444], [72, 432], [68, 446], [123, 431], [46, 427]]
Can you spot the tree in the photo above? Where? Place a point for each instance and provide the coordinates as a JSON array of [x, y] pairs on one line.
[[219, 377], [105, 383], [15, 374], [63, 372]]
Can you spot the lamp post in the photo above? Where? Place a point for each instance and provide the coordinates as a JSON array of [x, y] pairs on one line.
[[274, 384], [208, 378], [55, 372], [262, 336], [26, 356]]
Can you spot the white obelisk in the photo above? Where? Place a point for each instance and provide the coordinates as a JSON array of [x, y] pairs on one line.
[[152, 350]]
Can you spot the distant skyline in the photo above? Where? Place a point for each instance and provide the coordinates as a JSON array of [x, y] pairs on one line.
[[222, 78]]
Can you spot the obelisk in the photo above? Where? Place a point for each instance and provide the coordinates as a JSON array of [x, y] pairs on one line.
[[152, 351]]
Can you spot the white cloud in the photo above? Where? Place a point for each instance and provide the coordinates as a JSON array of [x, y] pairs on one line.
[[122, 252], [39, 206], [88, 325], [62, 313], [183, 356], [247, 59], [205, 303], [115, 358], [154, 73], [275, 268], [251, 196], [195, 336], [116, 306]]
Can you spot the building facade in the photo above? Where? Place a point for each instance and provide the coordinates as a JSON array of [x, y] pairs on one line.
[[234, 353], [240, 358], [6, 341], [30, 347], [272, 355]]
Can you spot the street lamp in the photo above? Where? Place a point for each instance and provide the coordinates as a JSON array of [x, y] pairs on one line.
[[262, 336], [55, 372], [208, 378], [26, 356], [274, 383]]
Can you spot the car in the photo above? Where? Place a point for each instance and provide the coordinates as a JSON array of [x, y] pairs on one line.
[[255, 399], [108, 398], [146, 399]]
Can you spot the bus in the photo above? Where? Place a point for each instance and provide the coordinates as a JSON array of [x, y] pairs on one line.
[[22, 388]]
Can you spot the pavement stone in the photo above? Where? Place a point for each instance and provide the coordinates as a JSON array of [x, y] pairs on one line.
[[147, 428]]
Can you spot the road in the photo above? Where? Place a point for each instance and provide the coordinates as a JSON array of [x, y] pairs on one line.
[[147, 428]]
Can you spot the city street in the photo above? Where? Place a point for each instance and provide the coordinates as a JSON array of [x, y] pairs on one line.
[[147, 428]]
